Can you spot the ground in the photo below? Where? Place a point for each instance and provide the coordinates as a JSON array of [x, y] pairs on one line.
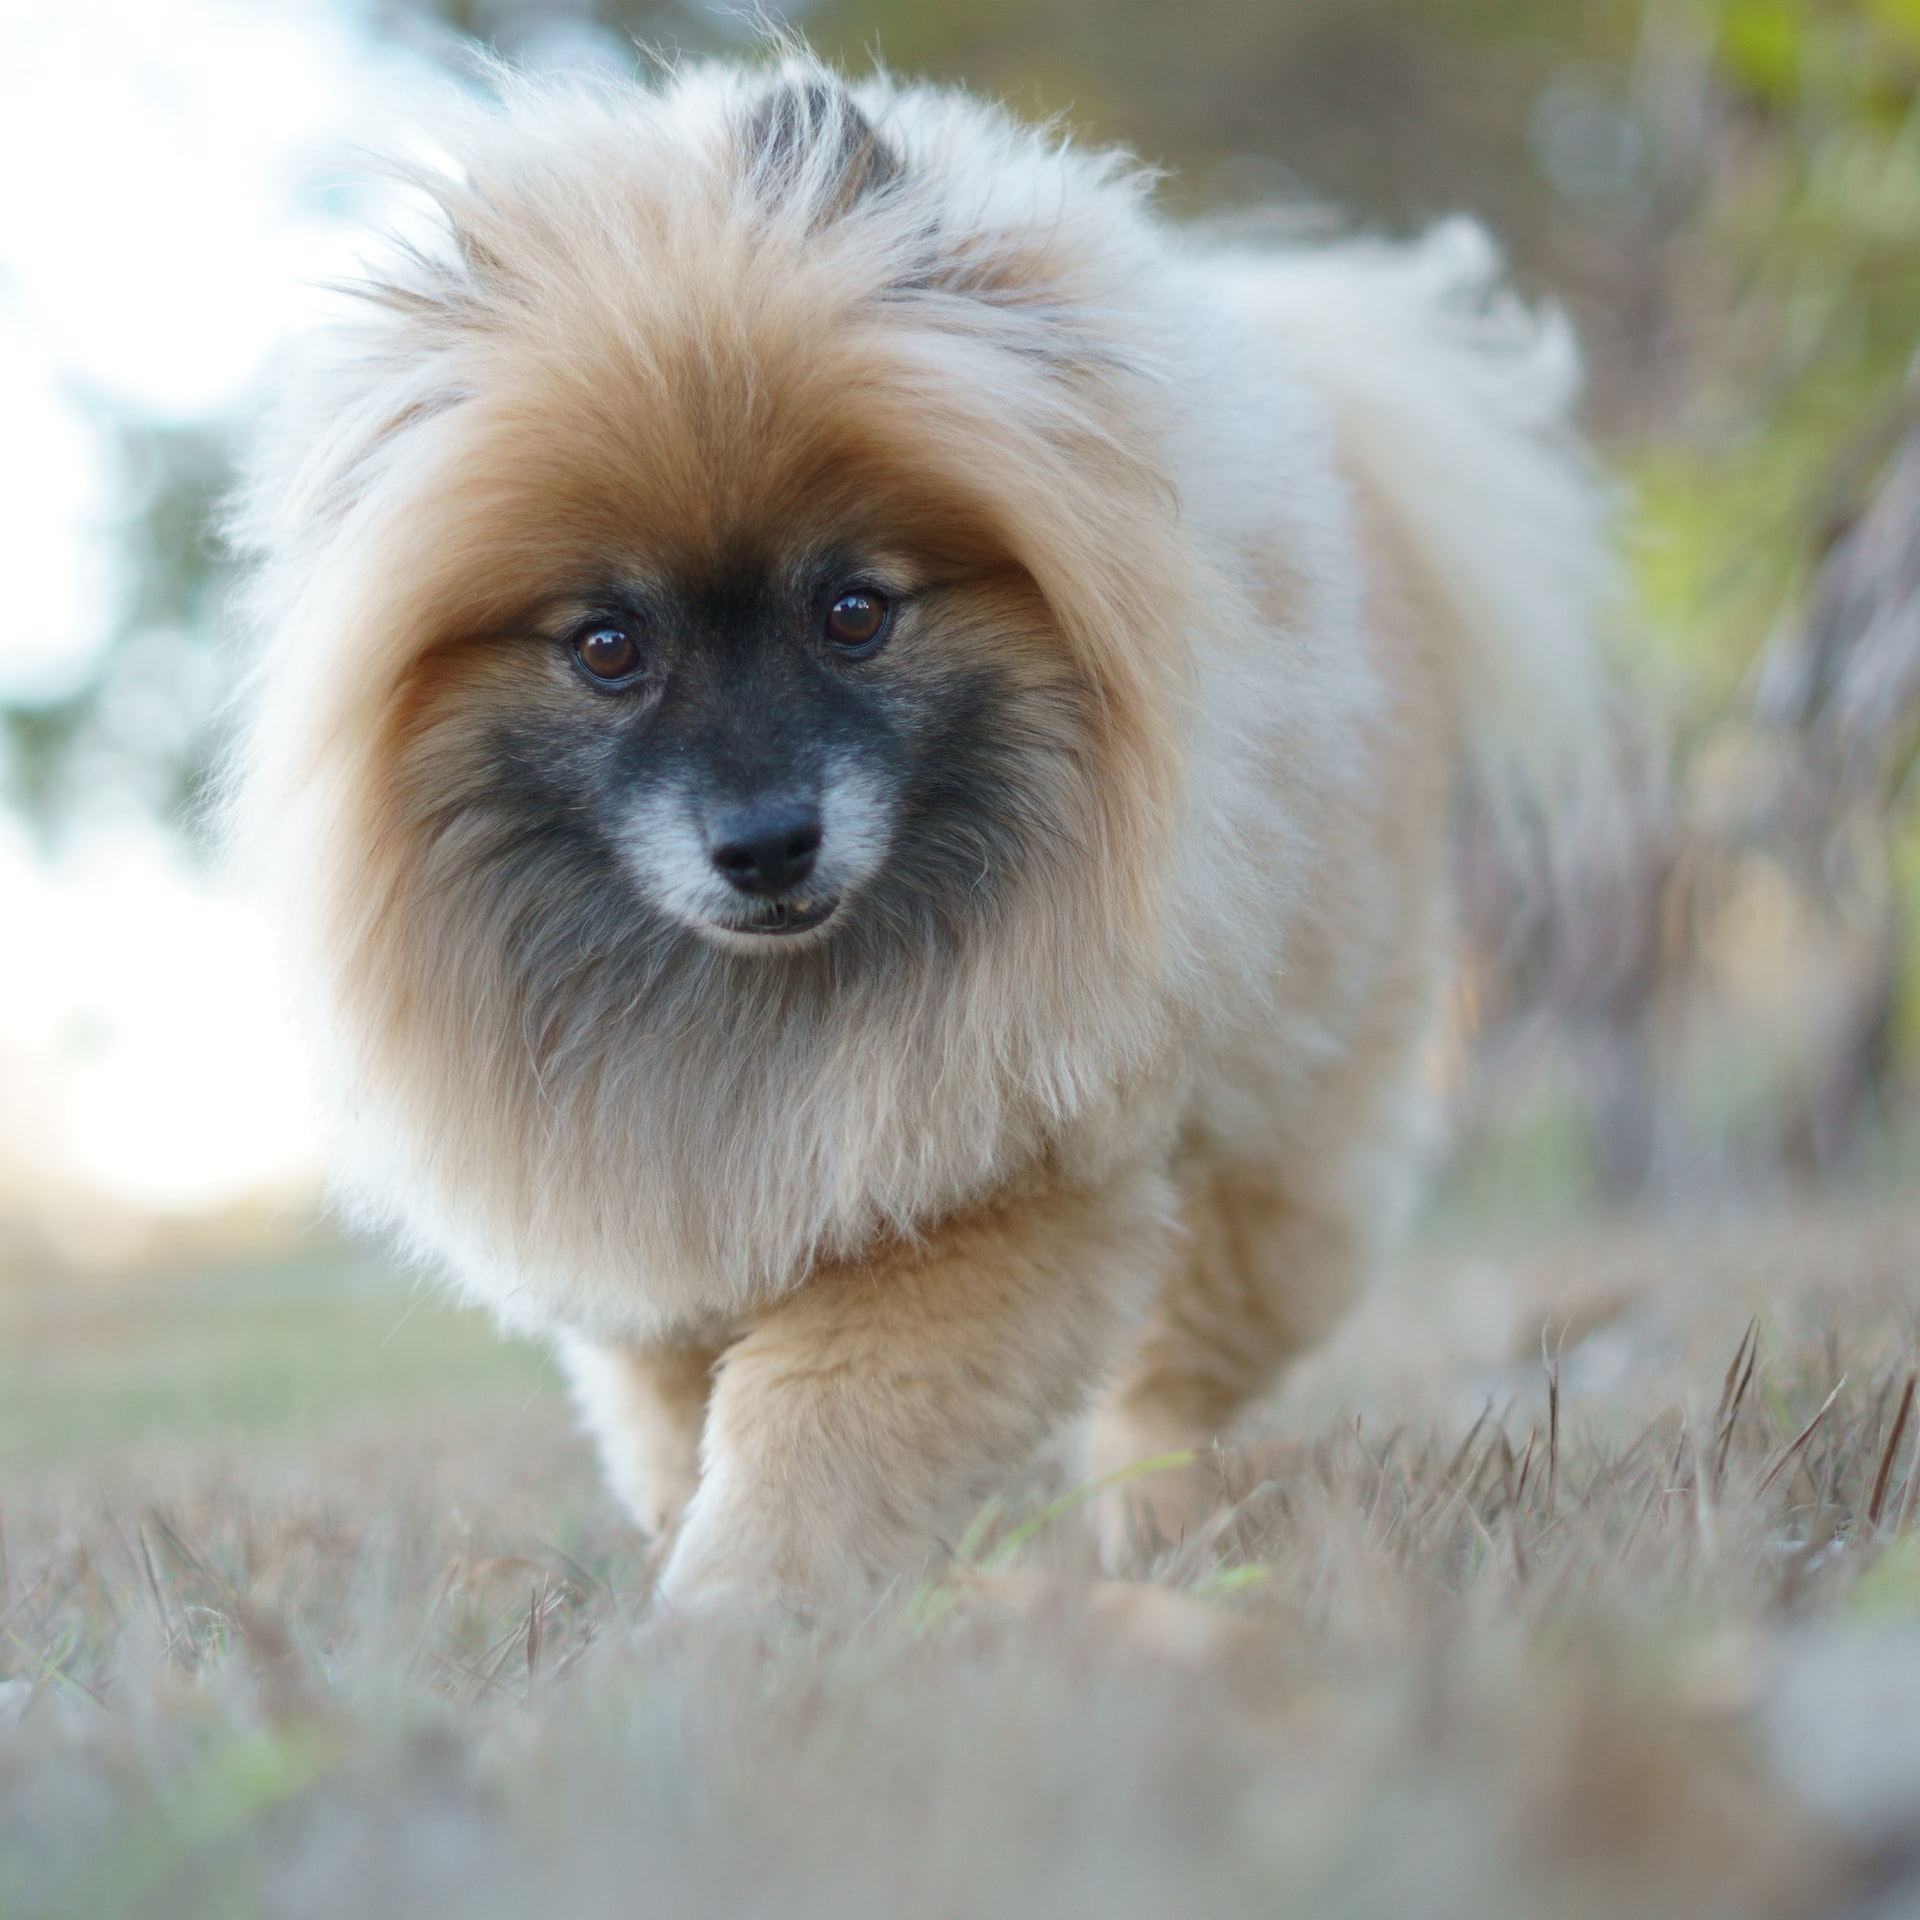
[[1581, 1576]]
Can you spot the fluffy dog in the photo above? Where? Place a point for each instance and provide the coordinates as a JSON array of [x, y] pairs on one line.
[[855, 738]]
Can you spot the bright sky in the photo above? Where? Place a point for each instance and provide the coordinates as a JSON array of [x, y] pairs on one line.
[[144, 1048], [172, 184]]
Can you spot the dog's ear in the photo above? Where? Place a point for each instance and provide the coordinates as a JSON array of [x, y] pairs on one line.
[[806, 139]]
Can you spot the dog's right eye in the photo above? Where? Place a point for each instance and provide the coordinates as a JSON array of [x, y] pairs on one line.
[[609, 656]]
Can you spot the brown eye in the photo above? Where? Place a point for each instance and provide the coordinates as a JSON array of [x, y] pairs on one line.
[[608, 654], [857, 619]]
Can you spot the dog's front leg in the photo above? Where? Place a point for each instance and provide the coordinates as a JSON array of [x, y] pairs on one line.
[[860, 1421], [645, 1407]]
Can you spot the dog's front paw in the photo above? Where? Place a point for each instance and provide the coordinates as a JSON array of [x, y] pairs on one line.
[[734, 1559], [706, 1575], [693, 1595]]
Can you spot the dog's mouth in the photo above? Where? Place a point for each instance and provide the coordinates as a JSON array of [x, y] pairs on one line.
[[780, 917]]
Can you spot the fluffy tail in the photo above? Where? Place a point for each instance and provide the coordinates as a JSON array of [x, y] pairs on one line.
[[1455, 404]]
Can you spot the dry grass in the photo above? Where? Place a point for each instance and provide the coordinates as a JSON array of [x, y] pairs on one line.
[[1622, 1623]]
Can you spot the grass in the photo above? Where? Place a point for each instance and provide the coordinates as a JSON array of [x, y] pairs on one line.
[[290, 1349], [1586, 1582]]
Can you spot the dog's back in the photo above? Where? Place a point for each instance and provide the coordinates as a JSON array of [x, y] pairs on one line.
[[1447, 631]]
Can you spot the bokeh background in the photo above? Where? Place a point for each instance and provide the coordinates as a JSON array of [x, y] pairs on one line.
[[1724, 193]]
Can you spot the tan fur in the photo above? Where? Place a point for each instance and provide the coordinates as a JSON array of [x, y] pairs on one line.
[[856, 1420], [907, 1198]]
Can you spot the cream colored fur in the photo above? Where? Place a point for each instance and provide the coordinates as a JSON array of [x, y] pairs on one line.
[[1298, 534]]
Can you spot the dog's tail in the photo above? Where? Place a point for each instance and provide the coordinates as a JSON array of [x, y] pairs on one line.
[[1454, 406]]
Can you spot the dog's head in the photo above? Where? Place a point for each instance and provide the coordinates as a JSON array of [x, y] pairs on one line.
[[722, 647], [740, 535]]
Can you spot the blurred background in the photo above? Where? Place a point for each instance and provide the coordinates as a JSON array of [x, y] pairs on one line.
[[1724, 193]]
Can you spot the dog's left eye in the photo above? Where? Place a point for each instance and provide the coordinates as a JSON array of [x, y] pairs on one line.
[[857, 619]]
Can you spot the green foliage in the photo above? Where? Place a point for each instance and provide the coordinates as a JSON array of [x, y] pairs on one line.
[[40, 738], [139, 727], [1760, 45], [1801, 272]]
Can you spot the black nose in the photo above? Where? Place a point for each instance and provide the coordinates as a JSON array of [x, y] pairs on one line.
[[766, 847]]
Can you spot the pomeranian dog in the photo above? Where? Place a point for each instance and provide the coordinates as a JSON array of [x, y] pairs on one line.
[[854, 738]]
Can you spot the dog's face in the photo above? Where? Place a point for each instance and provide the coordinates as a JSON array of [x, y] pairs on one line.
[[736, 741], [777, 747], [844, 718]]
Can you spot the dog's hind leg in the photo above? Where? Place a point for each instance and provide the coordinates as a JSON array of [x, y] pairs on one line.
[[1268, 1269], [1277, 1247], [645, 1408], [1300, 1158]]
